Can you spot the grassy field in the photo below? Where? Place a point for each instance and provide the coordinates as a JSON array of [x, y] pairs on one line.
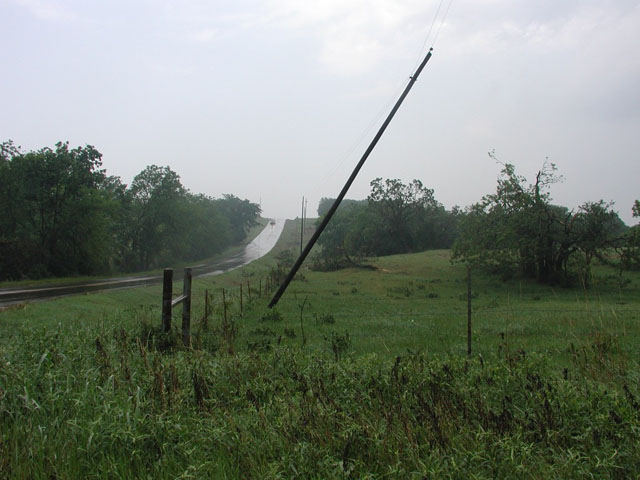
[[361, 373]]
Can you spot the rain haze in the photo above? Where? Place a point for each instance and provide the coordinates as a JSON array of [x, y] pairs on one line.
[[275, 99]]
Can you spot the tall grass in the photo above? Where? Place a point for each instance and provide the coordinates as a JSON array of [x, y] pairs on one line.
[[357, 374], [118, 407]]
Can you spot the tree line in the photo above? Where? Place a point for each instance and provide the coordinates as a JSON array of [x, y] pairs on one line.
[[516, 231], [62, 215], [395, 218]]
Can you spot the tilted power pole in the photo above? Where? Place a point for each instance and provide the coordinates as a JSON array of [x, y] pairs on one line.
[[345, 189]]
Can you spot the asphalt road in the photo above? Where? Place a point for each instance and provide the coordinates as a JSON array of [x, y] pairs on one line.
[[259, 247]]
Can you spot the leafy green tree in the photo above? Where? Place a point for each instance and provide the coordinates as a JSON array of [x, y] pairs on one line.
[[52, 211], [155, 205], [395, 218], [518, 230], [325, 204], [400, 208], [163, 222], [630, 251], [17, 242], [60, 214], [241, 214], [598, 229], [343, 236], [209, 229]]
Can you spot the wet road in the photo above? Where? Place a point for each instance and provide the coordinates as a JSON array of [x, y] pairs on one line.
[[259, 246]]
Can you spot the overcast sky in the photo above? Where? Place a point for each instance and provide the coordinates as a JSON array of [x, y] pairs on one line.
[[275, 99]]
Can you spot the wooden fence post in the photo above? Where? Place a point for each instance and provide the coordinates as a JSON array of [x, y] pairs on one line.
[[241, 298], [186, 308], [167, 291], [249, 290], [468, 310]]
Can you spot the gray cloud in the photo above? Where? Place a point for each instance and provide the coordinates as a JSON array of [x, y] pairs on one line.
[[269, 100]]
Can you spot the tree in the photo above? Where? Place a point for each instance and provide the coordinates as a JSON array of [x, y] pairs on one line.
[[395, 218], [518, 230], [325, 204], [209, 229], [598, 229], [515, 229], [155, 208], [241, 214], [60, 214], [399, 208], [343, 236], [15, 246], [630, 250], [163, 222], [52, 217]]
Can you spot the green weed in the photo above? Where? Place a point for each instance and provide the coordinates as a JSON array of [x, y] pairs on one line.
[[90, 387]]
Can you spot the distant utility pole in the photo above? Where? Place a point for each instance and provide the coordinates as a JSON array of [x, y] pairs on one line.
[[344, 190], [302, 226]]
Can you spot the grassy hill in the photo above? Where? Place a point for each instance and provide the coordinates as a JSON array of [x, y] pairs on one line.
[[361, 373]]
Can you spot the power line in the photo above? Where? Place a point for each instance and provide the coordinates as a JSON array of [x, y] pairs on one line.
[[424, 45], [441, 23]]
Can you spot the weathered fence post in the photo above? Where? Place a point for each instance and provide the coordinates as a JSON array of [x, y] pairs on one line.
[[240, 298], [260, 289], [167, 291], [168, 303], [468, 310], [249, 290], [186, 308]]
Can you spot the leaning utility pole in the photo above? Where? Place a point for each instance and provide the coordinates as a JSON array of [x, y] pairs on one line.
[[302, 226], [347, 185]]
